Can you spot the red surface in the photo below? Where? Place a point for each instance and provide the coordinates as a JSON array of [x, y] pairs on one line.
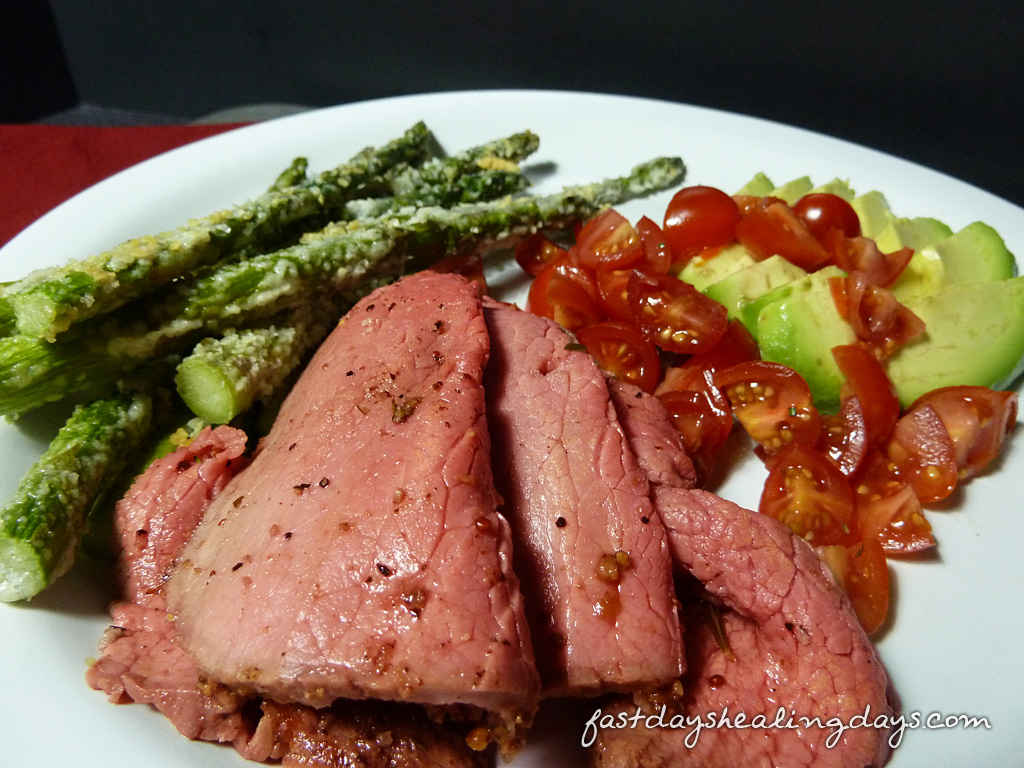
[[41, 166]]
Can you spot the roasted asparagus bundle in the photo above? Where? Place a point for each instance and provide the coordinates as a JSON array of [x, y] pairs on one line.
[[47, 301]]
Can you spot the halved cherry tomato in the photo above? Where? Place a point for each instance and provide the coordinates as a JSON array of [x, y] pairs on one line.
[[772, 228], [772, 402], [921, 451], [977, 420], [889, 511], [565, 293], [861, 571], [536, 251], [875, 315], [700, 217], [844, 436], [822, 212], [620, 349], [701, 415], [674, 315], [860, 254], [737, 345], [867, 380], [608, 241], [805, 491], [657, 252], [748, 202], [613, 293]]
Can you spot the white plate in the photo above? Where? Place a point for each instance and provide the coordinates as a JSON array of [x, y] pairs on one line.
[[954, 647]]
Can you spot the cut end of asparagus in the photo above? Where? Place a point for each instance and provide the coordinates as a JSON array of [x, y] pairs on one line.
[[206, 391], [20, 574]]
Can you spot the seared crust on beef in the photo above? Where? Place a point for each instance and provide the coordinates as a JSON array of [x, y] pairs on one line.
[[364, 734]]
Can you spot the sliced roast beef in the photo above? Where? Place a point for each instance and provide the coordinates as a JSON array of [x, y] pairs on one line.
[[166, 503], [140, 661], [769, 631], [361, 554], [650, 434], [589, 549]]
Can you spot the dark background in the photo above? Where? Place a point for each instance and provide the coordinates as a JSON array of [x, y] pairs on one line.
[[940, 83]]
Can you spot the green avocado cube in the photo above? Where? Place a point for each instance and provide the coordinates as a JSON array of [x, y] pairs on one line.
[[974, 335], [740, 288], [700, 271], [800, 332], [808, 283]]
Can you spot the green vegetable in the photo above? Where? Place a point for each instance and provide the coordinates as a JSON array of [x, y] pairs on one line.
[[48, 301], [41, 527], [224, 376], [347, 260], [746, 285], [799, 331], [8, 320], [975, 335], [701, 272], [437, 181], [294, 174], [812, 282]]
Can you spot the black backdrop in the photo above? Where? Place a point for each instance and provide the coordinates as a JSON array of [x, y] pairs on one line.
[[940, 83]]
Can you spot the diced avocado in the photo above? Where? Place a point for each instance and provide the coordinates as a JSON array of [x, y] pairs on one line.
[[924, 275], [974, 335], [793, 190], [920, 232], [873, 211], [976, 254], [911, 233], [743, 286], [837, 187], [700, 272], [813, 282], [760, 186], [800, 332]]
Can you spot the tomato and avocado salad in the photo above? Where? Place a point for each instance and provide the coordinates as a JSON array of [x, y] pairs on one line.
[[844, 341]]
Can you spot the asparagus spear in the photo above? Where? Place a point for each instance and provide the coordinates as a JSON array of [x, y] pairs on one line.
[[8, 320], [479, 186], [48, 301], [223, 376], [346, 259], [293, 175], [41, 527], [433, 182], [485, 172]]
